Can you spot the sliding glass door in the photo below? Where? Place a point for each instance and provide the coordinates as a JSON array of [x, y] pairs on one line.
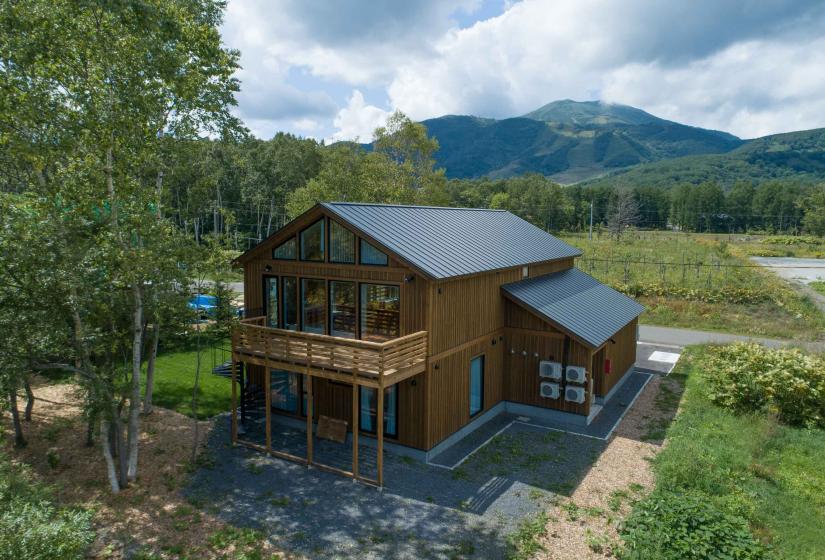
[[271, 300], [284, 390], [380, 312], [342, 309], [369, 407]]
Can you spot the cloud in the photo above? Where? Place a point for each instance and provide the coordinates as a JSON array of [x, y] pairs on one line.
[[358, 120], [748, 66]]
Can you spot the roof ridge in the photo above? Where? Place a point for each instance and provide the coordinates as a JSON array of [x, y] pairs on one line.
[[345, 203]]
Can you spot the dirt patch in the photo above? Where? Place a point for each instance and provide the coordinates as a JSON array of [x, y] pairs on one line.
[[149, 517], [584, 526]]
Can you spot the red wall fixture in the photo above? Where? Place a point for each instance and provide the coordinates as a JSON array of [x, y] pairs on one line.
[[607, 367]]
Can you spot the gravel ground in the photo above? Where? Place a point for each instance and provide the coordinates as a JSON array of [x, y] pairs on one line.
[[424, 511]]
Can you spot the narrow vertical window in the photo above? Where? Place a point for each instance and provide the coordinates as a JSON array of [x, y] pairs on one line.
[[313, 305], [369, 408], [371, 255], [476, 385], [290, 303], [271, 300], [380, 312], [284, 390], [341, 244], [312, 242], [342, 309]]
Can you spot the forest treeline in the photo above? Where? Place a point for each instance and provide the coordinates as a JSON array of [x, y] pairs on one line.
[[245, 188]]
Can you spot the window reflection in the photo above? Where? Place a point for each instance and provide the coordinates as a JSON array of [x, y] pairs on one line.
[[380, 312], [342, 309], [313, 305]]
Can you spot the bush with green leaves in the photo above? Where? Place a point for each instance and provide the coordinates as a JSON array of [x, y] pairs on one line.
[[31, 526], [786, 382], [678, 526]]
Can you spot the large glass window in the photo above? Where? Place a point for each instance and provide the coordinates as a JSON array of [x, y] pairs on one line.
[[369, 406], [312, 242], [342, 309], [284, 390], [341, 244], [271, 300], [476, 385], [371, 255], [290, 303], [380, 312], [285, 251], [313, 305]]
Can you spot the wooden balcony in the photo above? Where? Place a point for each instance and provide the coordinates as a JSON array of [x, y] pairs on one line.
[[373, 364]]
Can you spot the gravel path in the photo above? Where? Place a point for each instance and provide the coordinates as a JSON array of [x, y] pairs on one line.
[[425, 511]]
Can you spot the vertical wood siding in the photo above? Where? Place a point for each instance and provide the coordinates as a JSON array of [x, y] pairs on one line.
[[622, 356]]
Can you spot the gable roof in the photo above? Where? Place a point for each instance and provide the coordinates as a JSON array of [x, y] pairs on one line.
[[576, 302], [445, 242]]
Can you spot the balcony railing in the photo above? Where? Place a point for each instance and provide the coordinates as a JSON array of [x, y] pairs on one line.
[[394, 359]]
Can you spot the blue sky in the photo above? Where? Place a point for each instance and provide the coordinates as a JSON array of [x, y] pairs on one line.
[[335, 69]]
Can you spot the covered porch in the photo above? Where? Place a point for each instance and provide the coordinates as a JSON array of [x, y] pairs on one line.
[[356, 363]]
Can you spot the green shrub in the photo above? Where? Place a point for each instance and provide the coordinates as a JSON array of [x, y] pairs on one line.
[[667, 526], [786, 382], [728, 294], [31, 527], [792, 240]]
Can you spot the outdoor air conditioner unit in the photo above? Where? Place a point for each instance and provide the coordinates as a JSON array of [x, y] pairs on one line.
[[576, 374], [549, 390], [550, 370], [574, 394]]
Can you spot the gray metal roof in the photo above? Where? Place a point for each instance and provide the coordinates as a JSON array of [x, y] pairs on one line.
[[447, 242], [577, 302]]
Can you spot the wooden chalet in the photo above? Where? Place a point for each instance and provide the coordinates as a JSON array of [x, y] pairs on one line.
[[439, 317]]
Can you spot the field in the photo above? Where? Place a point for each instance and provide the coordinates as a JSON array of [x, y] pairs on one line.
[[174, 379], [705, 281], [748, 466]]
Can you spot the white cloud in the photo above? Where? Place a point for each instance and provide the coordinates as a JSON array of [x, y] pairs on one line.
[[357, 120], [748, 66]]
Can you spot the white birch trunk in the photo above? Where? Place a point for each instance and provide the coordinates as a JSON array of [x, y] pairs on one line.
[[133, 432], [106, 444]]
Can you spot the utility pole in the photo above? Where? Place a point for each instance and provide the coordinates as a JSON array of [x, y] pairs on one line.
[[590, 236]]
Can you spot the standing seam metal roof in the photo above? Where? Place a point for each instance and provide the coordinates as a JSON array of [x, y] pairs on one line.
[[447, 242], [577, 302]]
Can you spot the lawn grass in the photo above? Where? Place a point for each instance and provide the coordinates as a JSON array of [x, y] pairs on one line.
[[174, 379], [818, 286], [747, 465], [773, 308]]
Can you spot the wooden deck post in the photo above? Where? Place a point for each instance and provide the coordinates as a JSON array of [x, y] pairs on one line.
[[234, 424], [309, 417], [355, 427], [380, 431], [268, 404]]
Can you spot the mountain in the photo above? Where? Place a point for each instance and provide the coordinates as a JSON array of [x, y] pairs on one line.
[[569, 141], [792, 155]]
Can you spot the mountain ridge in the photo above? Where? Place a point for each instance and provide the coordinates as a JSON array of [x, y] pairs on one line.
[[567, 140]]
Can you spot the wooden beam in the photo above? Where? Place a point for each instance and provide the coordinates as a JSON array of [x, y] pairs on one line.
[[268, 404], [380, 432], [355, 425], [234, 429], [309, 417], [490, 335]]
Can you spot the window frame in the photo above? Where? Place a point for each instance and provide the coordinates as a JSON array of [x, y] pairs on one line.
[[360, 255], [294, 240], [394, 392], [483, 358], [360, 301], [324, 229], [355, 242], [301, 300], [356, 285], [267, 278]]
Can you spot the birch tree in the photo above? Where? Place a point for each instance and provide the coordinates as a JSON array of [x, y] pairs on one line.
[[87, 90]]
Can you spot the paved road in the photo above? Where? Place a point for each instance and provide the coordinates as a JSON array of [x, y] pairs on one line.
[[804, 271], [684, 337]]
